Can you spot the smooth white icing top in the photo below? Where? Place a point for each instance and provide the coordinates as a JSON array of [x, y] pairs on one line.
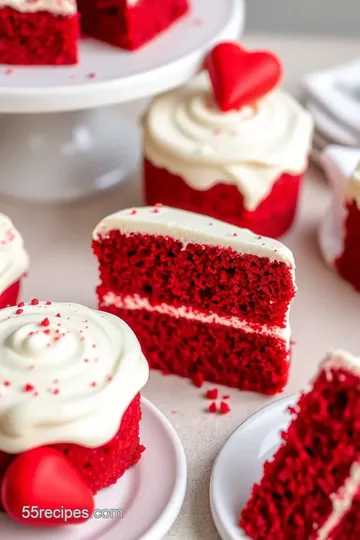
[[13, 257], [57, 7], [339, 359], [352, 188], [186, 133], [188, 227], [67, 374]]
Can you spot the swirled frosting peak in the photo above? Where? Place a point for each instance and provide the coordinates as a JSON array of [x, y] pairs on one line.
[[186, 133], [67, 374], [13, 257]]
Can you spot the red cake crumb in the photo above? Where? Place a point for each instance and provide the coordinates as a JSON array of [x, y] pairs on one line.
[[212, 394], [273, 217], [10, 296], [198, 380], [129, 27], [212, 407], [39, 38], [224, 408], [348, 264], [103, 466], [294, 499]]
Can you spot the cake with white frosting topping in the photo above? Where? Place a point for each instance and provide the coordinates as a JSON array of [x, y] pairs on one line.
[[46, 32], [242, 165], [70, 379], [14, 262], [207, 300]]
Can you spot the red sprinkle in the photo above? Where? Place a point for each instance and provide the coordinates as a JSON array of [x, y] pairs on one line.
[[19, 311], [58, 315], [91, 75], [156, 210], [198, 380], [36, 394], [226, 396], [56, 392], [7, 383], [212, 394], [133, 212], [29, 387], [224, 408], [212, 407], [45, 322], [235, 234], [93, 384], [47, 332], [48, 303], [21, 304]]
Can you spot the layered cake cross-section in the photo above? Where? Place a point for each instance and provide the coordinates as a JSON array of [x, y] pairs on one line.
[[311, 488], [204, 298]]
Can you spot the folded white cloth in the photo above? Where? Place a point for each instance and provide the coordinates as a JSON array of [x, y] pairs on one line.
[[333, 98]]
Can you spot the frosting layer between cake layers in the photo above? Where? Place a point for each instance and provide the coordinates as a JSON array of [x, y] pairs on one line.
[[186, 133], [67, 374], [190, 228], [14, 260], [57, 7]]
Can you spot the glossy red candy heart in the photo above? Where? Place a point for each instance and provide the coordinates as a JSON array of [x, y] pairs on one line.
[[41, 488], [240, 77]]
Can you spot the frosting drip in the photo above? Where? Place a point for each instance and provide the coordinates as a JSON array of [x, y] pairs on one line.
[[67, 374], [57, 7], [13, 258], [185, 132]]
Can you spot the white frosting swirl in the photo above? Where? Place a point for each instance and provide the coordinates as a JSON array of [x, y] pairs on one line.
[[67, 374], [186, 133], [57, 7], [13, 257]]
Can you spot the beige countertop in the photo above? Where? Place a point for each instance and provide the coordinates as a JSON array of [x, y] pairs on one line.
[[325, 313]]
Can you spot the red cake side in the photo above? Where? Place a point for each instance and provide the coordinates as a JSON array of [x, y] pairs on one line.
[[38, 38], [125, 26], [103, 466], [226, 355], [210, 278], [10, 296], [304, 490], [348, 264], [273, 217]]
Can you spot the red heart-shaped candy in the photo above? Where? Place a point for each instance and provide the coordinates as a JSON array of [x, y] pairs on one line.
[[240, 77], [43, 480]]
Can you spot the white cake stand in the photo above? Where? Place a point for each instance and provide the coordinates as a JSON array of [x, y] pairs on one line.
[[60, 140]]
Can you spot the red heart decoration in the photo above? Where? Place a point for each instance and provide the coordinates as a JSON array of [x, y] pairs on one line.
[[44, 479], [240, 77]]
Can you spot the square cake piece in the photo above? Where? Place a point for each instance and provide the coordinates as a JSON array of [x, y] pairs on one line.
[[311, 488], [206, 299]]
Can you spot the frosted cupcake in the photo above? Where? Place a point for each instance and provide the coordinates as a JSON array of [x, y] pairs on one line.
[[14, 262], [230, 145], [70, 379]]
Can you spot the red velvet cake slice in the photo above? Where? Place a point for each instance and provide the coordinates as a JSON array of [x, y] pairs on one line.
[[38, 32], [311, 489], [129, 23], [203, 297]]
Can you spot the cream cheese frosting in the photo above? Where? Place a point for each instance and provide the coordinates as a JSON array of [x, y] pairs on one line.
[[186, 133], [188, 227], [352, 188], [67, 374], [57, 7], [14, 260]]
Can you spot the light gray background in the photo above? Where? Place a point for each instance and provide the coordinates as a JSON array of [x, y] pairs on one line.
[[337, 17]]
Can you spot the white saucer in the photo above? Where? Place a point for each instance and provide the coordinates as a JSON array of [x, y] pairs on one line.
[[150, 494], [240, 464]]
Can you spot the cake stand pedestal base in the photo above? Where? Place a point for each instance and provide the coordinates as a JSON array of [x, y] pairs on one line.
[[67, 155]]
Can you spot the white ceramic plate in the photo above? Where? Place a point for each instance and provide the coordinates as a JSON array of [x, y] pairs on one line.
[[240, 464], [150, 494]]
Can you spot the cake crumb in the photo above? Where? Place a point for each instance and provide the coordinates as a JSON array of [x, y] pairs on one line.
[[224, 408], [34, 302], [212, 393], [19, 311], [29, 387], [212, 407], [45, 322], [226, 396]]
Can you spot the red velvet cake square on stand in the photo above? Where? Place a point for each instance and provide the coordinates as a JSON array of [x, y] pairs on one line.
[[129, 23], [228, 145], [14, 262], [203, 297], [311, 488]]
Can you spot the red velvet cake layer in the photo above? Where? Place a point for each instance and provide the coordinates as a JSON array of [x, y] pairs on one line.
[[103, 466], [294, 498], [10, 296], [208, 278], [273, 217], [38, 38], [129, 27], [348, 265], [224, 355]]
